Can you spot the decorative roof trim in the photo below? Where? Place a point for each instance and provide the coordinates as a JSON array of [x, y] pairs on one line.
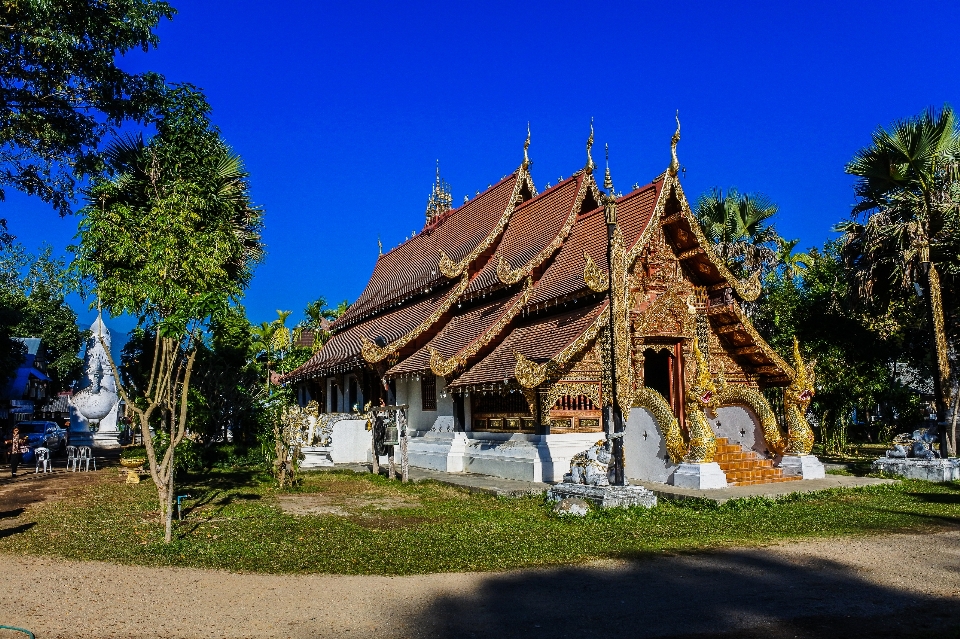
[[530, 374], [453, 269], [748, 290], [446, 367], [509, 276], [373, 353], [595, 279]]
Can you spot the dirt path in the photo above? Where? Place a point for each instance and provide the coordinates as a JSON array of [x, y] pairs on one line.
[[886, 586]]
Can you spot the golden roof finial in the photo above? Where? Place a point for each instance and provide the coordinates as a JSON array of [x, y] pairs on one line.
[[590, 165], [440, 200], [607, 180], [674, 162], [526, 145]]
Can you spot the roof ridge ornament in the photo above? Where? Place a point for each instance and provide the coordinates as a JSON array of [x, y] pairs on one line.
[[526, 145], [607, 180], [674, 162], [441, 198], [590, 164]]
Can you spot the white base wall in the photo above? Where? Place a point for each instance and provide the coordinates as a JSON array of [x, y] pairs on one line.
[[351, 442], [540, 458]]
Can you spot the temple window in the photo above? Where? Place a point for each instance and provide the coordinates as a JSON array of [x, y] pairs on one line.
[[501, 413], [428, 392]]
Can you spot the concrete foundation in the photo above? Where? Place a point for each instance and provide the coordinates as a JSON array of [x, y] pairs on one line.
[[939, 470], [700, 476], [605, 496], [806, 466]]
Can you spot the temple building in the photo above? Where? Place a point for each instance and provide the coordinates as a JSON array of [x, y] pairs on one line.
[[506, 323]]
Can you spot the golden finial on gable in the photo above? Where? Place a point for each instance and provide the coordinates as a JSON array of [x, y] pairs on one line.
[[674, 162], [590, 165], [526, 145]]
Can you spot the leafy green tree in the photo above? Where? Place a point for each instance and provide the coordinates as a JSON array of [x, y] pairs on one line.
[[227, 393], [856, 356], [739, 227], [170, 236], [61, 90], [33, 304], [908, 190]]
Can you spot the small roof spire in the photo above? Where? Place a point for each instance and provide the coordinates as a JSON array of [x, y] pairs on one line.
[[526, 145], [380, 245], [674, 162], [590, 165], [607, 180], [441, 198]]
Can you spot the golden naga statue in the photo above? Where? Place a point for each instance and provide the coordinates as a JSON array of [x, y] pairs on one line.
[[700, 398], [796, 399]]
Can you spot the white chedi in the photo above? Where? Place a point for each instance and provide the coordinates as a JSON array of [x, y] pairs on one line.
[[97, 401]]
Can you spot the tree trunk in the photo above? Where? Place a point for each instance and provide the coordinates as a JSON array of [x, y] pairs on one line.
[[168, 525], [941, 375]]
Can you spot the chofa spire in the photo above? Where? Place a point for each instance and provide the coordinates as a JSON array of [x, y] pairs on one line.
[[607, 180], [526, 145], [674, 162], [590, 164]]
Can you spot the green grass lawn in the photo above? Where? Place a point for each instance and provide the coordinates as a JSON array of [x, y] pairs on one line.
[[369, 525]]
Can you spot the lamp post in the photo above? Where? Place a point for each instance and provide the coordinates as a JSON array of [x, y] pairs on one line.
[[612, 415]]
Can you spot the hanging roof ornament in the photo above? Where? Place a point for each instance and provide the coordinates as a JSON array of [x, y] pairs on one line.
[[441, 198], [526, 145], [590, 165], [674, 162]]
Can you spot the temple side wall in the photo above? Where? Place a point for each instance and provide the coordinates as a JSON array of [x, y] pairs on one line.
[[408, 392], [645, 449]]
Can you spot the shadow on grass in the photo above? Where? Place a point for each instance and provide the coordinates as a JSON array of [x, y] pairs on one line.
[[16, 530], [739, 593], [10, 514]]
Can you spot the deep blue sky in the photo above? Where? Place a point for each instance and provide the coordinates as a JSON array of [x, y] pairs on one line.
[[340, 110]]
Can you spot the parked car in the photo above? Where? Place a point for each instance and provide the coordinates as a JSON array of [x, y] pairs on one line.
[[46, 434]]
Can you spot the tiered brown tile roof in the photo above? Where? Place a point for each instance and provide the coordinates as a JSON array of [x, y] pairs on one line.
[[413, 265], [342, 351], [462, 329], [537, 340], [533, 226]]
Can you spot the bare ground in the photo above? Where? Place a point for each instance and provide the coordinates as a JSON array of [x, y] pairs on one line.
[[897, 585], [884, 586]]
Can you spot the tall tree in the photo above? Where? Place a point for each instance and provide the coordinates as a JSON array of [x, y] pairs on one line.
[[33, 304], [740, 229], [907, 188], [61, 90], [169, 235]]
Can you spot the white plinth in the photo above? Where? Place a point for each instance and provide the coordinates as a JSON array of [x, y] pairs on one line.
[[350, 442], [807, 466], [315, 457], [699, 476], [438, 451]]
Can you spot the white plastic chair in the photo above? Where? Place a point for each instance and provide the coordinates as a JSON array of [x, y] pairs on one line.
[[42, 456], [85, 456], [72, 458]]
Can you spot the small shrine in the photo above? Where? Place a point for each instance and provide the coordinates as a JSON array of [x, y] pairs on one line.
[[513, 324]]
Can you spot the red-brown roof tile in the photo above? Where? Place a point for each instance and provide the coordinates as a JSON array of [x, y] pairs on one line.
[[538, 341], [414, 264]]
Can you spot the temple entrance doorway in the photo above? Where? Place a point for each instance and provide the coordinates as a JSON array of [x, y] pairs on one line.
[[658, 372]]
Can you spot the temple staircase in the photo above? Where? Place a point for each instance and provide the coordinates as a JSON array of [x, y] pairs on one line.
[[745, 467]]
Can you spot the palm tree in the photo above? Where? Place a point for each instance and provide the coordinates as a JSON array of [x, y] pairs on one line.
[[908, 188], [737, 226], [317, 319], [793, 263]]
